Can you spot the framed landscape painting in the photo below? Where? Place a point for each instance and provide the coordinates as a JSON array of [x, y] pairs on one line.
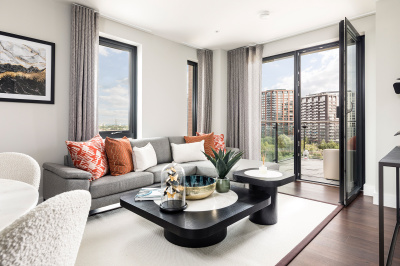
[[26, 69]]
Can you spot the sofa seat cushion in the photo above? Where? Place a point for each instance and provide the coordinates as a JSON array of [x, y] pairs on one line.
[[108, 185], [189, 169], [205, 168]]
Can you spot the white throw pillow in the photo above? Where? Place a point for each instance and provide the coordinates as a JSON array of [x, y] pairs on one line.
[[144, 158], [188, 152]]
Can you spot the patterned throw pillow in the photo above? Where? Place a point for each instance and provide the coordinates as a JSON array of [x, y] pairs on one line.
[[119, 154], [208, 142], [89, 156], [219, 142]]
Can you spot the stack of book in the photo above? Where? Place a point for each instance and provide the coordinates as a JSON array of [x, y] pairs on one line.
[[149, 194]]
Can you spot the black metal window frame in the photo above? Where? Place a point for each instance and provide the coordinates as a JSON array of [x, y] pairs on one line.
[[194, 95], [297, 100], [132, 132]]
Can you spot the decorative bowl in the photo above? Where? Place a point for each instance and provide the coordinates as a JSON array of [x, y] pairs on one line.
[[199, 186]]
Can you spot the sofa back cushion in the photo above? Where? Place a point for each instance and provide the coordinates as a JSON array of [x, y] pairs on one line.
[[177, 139], [160, 145]]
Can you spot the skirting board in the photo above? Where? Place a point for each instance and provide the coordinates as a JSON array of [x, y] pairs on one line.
[[389, 200], [369, 190]]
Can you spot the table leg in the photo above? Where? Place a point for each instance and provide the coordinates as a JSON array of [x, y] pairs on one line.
[[267, 215], [197, 242]]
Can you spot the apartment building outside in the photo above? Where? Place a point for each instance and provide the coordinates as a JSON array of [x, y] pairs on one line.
[[318, 117], [277, 109]]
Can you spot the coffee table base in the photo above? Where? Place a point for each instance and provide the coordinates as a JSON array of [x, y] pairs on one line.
[[195, 243], [267, 215]]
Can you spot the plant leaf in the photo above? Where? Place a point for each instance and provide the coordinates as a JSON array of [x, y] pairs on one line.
[[216, 155], [211, 159], [221, 168], [234, 160], [227, 157]]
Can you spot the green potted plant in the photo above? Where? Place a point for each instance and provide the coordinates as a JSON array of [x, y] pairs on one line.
[[223, 163]]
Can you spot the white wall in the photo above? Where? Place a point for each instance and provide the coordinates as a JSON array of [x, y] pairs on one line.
[[162, 79], [220, 92], [40, 130], [365, 26], [387, 102]]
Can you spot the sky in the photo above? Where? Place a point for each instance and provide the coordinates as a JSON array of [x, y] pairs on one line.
[[319, 73], [113, 86]]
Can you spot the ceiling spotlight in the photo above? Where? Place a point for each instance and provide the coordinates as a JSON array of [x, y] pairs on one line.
[[216, 31], [264, 14]]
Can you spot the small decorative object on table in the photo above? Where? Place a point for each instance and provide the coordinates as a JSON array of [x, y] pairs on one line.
[[199, 187], [223, 162], [263, 169], [173, 197]]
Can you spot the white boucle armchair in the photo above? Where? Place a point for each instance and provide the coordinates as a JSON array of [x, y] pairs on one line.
[[21, 167], [50, 234]]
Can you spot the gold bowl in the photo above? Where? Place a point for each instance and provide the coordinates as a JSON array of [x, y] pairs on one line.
[[199, 187]]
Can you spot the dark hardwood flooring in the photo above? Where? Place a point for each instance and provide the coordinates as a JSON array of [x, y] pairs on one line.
[[351, 238], [309, 190]]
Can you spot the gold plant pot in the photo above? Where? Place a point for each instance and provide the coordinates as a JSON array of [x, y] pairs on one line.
[[199, 187]]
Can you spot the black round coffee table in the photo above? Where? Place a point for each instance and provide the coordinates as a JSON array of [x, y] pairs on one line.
[[259, 187]]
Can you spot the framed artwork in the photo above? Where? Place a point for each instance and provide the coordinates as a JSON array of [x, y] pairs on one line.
[[26, 69]]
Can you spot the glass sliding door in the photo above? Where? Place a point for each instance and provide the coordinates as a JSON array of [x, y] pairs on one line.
[[277, 111], [319, 123], [351, 112]]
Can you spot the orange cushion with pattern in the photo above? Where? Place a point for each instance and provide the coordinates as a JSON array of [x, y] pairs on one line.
[[119, 154], [208, 142], [89, 156], [219, 142]]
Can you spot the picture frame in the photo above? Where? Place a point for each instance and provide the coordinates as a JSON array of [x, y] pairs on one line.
[[27, 68]]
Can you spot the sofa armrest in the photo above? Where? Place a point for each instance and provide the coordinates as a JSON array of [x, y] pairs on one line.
[[66, 171], [232, 149]]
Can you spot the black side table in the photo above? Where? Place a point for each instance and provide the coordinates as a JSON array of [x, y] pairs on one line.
[[392, 159], [261, 186]]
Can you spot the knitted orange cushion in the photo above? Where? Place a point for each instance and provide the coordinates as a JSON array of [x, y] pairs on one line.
[[208, 142], [219, 142], [89, 156], [119, 154]]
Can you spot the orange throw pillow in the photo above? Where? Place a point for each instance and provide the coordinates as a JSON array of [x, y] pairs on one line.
[[89, 156], [219, 142], [208, 142], [119, 154]]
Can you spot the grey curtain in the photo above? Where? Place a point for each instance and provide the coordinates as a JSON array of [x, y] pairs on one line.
[[204, 90], [84, 47], [244, 99]]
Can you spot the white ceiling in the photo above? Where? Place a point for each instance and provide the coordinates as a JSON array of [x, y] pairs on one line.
[[237, 21]]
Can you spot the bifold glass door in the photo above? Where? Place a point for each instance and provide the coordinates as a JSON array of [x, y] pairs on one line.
[[351, 96]]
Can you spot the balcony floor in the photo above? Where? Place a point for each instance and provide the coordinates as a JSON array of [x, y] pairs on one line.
[[311, 169]]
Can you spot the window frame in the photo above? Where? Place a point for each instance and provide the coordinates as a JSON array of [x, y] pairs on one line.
[[194, 95], [132, 132]]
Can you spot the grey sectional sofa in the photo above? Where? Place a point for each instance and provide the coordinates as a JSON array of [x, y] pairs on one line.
[[107, 190]]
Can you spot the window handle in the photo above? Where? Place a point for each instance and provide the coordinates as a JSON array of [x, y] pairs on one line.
[[116, 132]]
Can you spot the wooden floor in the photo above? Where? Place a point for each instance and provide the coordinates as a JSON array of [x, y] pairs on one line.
[[351, 238]]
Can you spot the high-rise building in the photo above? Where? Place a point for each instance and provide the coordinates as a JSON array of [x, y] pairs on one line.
[[277, 109], [318, 116]]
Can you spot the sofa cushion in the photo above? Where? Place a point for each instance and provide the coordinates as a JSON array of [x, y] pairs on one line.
[[189, 169], [205, 168], [160, 145], [177, 139], [108, 185], [119, 155]]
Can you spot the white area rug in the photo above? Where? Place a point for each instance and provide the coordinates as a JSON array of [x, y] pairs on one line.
[[121, 237]]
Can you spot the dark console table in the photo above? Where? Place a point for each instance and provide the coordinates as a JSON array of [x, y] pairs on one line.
[[392, 159], [264, 186]]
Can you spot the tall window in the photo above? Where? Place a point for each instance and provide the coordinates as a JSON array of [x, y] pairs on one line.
[[277, 108], [116, 89], [192, 98]]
